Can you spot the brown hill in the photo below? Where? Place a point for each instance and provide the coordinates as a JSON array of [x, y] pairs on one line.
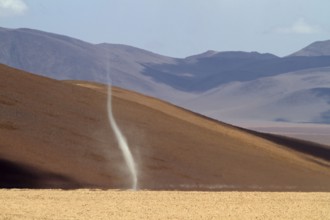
[[56, 134]]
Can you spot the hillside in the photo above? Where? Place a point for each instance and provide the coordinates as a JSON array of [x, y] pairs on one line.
[[56, 134]]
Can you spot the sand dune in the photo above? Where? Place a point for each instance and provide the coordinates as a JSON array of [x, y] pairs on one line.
[[56, 134]]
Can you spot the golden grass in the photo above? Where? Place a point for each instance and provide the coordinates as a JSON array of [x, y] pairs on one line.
[[113, 204]]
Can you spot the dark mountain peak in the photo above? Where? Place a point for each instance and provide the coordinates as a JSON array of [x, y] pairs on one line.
[[230, 55], [205, 54], [318, 48], [242, 54]]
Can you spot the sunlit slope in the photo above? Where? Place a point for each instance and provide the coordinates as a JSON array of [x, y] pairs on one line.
[[56, 134]]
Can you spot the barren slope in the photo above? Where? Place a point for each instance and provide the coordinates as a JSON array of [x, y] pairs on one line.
[[56, 134]]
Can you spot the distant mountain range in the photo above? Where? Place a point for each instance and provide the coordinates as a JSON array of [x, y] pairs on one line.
[[229, 86]]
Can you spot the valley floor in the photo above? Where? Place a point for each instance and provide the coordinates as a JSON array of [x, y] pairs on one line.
[[115, 204]]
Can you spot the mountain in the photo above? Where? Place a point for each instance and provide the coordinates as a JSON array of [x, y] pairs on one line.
[[319, 48], [62, 57], [301, 96], [56, 134], [223, 85], [200, 74]]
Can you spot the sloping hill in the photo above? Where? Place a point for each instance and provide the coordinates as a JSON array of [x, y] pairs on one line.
[[319, 48], [56, 134]]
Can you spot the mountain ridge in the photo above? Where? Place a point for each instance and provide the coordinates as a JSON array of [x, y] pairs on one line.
[[179, 81]]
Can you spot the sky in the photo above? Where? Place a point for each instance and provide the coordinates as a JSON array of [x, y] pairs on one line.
[[178, 28]]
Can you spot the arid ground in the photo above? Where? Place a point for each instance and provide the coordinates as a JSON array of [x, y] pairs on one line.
[[97, 204]]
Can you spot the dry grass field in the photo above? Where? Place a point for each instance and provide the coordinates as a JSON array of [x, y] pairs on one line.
[[113, 204]]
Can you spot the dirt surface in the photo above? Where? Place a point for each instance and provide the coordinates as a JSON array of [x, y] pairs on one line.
[[96, 204]]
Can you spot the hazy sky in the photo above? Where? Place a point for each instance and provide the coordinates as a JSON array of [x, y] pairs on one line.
[[179, 28]]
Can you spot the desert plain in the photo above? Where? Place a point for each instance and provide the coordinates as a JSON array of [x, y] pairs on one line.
[[118, 204]]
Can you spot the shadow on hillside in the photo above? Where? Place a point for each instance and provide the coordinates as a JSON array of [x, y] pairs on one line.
[[18, 176], [307, 147]]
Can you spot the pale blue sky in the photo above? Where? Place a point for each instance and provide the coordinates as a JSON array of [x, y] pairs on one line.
[[179, 28]]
